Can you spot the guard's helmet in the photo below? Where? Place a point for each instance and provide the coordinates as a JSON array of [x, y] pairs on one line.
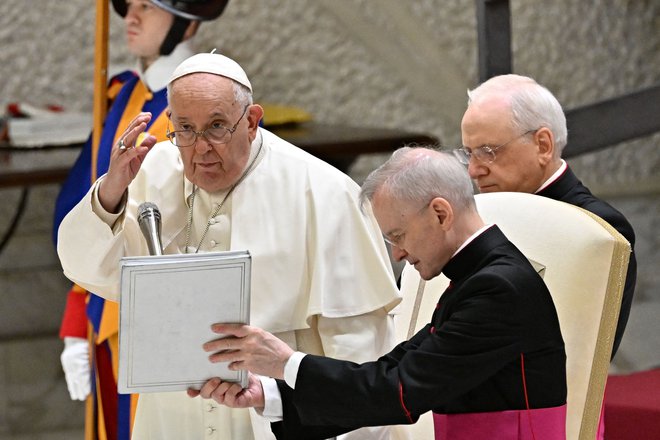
[[184, 12], [201, 10]]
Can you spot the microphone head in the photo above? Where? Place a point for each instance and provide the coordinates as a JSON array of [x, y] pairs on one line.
[[149, 220], [147, 208]]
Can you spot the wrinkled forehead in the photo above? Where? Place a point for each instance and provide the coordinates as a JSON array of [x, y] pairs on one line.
[[200, 86], [493, 107], [486, 121], [390, 211]]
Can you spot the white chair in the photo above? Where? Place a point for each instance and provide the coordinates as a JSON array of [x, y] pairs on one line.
[[583, 261]]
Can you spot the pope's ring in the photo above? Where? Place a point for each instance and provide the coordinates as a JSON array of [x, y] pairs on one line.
[[122, 146]]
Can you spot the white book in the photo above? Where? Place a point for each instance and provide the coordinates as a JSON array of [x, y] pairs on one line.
[[167, 306]]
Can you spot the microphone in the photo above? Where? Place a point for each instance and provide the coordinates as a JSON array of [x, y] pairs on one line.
[[149, 221]]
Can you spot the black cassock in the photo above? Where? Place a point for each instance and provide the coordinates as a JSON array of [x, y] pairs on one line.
[[496, 315]]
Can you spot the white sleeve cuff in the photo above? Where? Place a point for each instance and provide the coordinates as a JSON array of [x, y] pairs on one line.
[[291, 368], [272, 400], [108, 218]]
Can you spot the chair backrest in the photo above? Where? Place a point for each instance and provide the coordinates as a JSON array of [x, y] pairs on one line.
[[584, 262]]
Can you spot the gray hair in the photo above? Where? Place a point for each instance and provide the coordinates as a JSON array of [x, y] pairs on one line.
[[420, 174], [242, 94], [532, 105]]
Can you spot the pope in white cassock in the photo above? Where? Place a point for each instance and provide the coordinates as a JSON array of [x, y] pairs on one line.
[[321, 277]]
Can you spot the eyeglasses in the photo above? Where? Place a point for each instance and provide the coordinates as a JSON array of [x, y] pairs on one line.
[[216, 134], [397, 239], [484, 153]]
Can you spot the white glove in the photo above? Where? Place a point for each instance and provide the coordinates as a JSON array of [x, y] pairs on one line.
[[75, 363]]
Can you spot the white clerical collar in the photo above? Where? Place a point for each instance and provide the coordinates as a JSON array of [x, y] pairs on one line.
[[554, 177], [472, 237], [158, 73]]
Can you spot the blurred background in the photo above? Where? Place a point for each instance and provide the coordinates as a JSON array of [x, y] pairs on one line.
[[385, 64]]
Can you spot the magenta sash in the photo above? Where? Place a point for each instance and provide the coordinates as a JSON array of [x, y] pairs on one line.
[[533, 424]]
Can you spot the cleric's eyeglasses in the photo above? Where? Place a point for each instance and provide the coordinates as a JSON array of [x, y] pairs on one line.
[[484, 153]]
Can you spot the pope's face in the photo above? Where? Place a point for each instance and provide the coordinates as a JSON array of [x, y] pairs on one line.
[[199, 101]]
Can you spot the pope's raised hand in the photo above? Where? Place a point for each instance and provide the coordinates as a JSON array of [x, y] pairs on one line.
[[125, 161]]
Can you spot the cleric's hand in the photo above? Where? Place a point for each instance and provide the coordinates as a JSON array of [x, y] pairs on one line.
[[75, 363], [249, 348]]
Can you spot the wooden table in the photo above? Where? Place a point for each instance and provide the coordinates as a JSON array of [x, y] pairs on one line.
[[336, 144], [341, 145]]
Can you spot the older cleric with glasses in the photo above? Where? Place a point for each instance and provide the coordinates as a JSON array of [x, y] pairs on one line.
[[514, 131]]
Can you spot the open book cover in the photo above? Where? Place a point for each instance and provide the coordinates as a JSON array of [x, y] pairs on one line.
[[167, 306]]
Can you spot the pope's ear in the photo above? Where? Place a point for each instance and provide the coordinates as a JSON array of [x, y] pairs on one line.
[[255, 113]]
